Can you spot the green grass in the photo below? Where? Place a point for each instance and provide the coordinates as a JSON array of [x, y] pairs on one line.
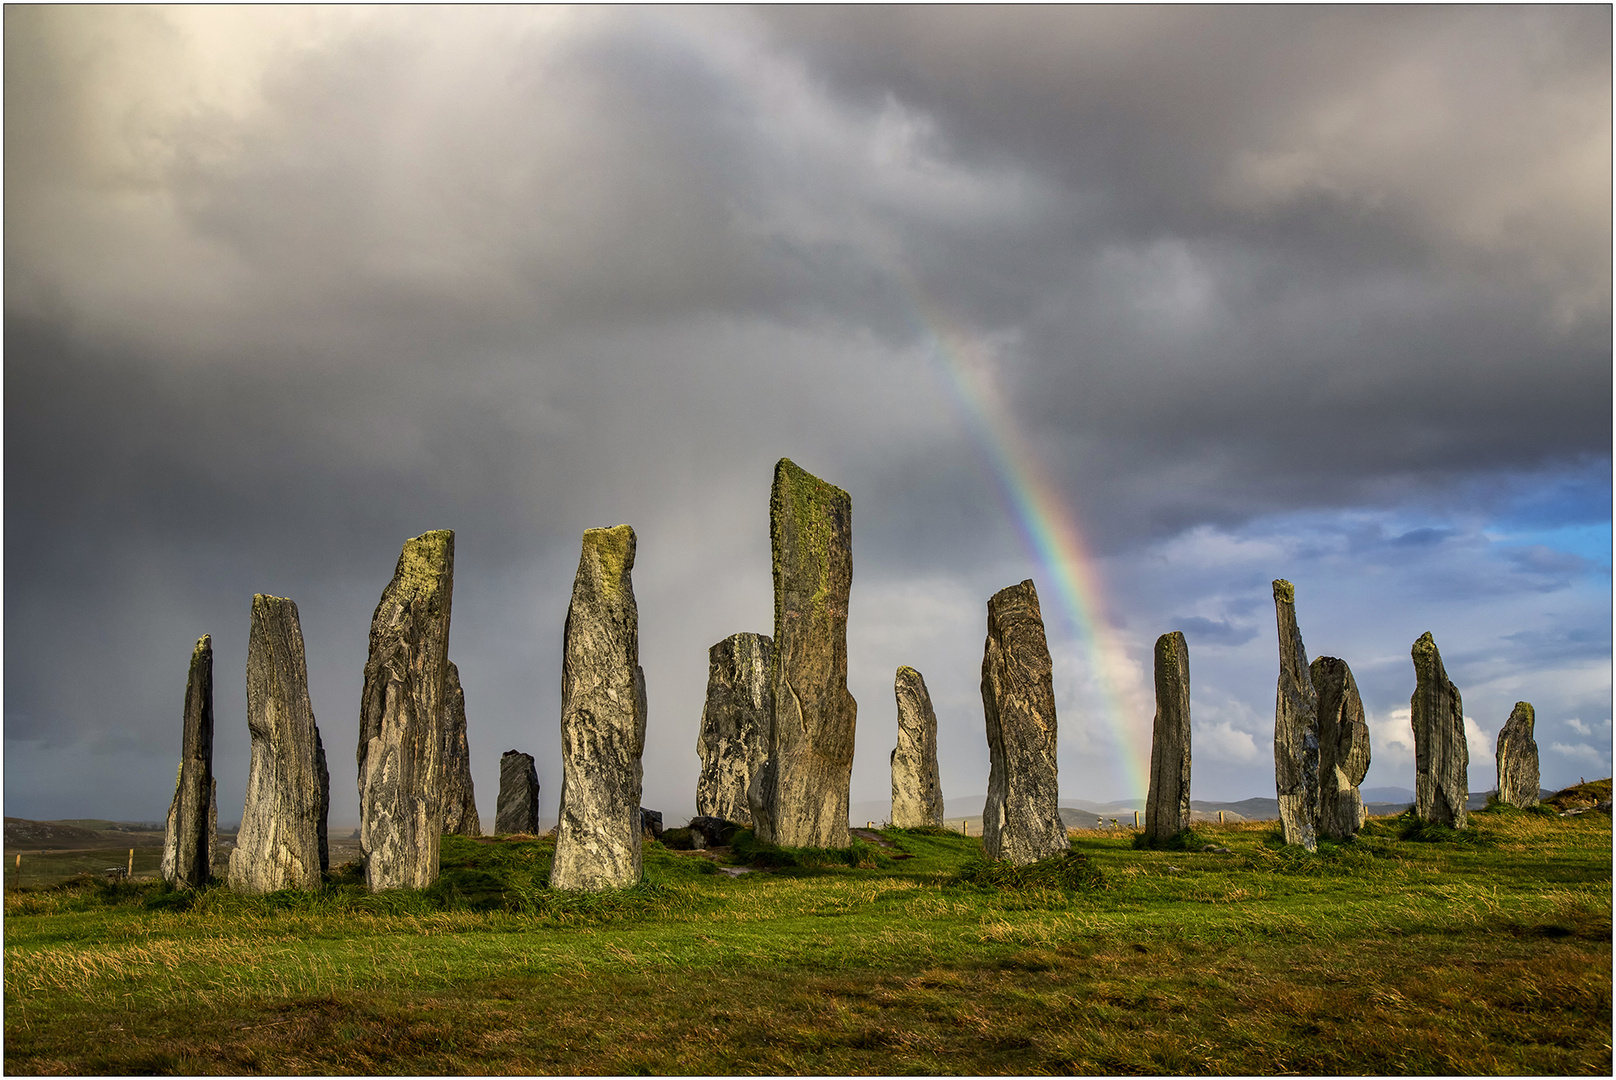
[[1389, 954]]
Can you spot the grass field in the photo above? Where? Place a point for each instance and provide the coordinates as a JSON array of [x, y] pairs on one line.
[[1401, 952]]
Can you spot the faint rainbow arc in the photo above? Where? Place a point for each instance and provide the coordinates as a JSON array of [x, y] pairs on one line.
[[1047, 525]]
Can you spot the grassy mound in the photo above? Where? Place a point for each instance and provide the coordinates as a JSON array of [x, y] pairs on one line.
[[1070, 870]]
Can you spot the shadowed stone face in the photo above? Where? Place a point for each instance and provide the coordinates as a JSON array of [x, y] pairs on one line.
[[1441, 757], [1167, 809], [734, 725], [917, 793], [800, 795], [1518, 782], [187, 847], [518, 807], [401, 718], [281, 844], [603, 712], [1343, 748], [1296, 728], [1021, 821], [459, 795]]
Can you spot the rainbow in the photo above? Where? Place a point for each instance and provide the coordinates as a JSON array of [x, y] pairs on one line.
[[1046, 523]]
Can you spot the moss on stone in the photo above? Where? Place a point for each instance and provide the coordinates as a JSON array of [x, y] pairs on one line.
[[811, 501], [614, 551], [1284, 590], [423, 562]]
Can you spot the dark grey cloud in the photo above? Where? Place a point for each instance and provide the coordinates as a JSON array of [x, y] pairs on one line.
[[1320, 293]]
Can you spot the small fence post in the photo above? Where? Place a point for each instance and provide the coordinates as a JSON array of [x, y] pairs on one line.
[[1136, 820], [130, 873], [1220, 817]]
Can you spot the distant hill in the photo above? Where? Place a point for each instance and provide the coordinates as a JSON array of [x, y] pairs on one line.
[[80, 833]]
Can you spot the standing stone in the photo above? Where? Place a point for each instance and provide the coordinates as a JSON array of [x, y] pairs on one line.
[[1441, 758], [213, 820], [518, 807], [282, 841], [401, 715], [1343, 749], [186, 850], [1021, 821], [166, 869], [799, 797], [459, 799], [1167, 808], [1517, 759], [734, 725], [1296, 728], [917, 793], [602, 721]]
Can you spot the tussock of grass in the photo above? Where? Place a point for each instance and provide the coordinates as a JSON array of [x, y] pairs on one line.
[[1190, 839], [1070, 870], [860, 854]]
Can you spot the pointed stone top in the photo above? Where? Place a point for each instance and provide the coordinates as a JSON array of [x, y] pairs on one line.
[[204, 643], [907, 670], [1522, 708], [1284, 590], [424, 560], [803, 483], [263, 602], [610, 553], [1424, 647]]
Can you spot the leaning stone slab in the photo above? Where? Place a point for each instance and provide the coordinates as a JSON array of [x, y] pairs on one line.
[[282, 840], [1021, 821], [1296, 728], [1517, 758], [459, 795], [518, 807], [917, 792], [187, 852], [800, 795], [1441, 757], [734, 724], [1167, 807], [1343, 748], [401, 716], [603, 711]]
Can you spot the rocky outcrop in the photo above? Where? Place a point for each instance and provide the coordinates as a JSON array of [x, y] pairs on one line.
[[799, 797], [602, 721], [1021, 822], [1343, 748], [459, 796], [734, 724], [1167, 807], [282, 840], [1441, 757], [650, 824], [518, 807], [401, 716], [1517, 758], [917, 793], [1296, 728], [187, 850]]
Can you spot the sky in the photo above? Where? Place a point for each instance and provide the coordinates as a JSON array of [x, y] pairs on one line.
[[1149, 305]]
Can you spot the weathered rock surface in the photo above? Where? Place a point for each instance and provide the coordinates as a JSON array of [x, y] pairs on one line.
[[518, 808], [1343, 748], [1167, 807], [603, 712], [401, 715], [1517, 758], [1296, 728], [187, 851], [799, 797], [166, 868], [650, 824], [1441, 757], [1021, 821], [282, 841], [734, 724], [459, 796], [917, 792]]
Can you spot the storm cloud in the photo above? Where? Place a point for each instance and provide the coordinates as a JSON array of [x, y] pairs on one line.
[[1322, 294]]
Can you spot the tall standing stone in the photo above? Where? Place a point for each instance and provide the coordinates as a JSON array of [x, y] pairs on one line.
[[282, 840], [917, 792], [518, 808], [170, 861], [800, 795], [186, 848], [459, 797], [1343, 748], [602, 721], [1021, 821], [1167, 808], [1441, 757], [1296, 728], [1517, 758], [734, 725], [401, 714]]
